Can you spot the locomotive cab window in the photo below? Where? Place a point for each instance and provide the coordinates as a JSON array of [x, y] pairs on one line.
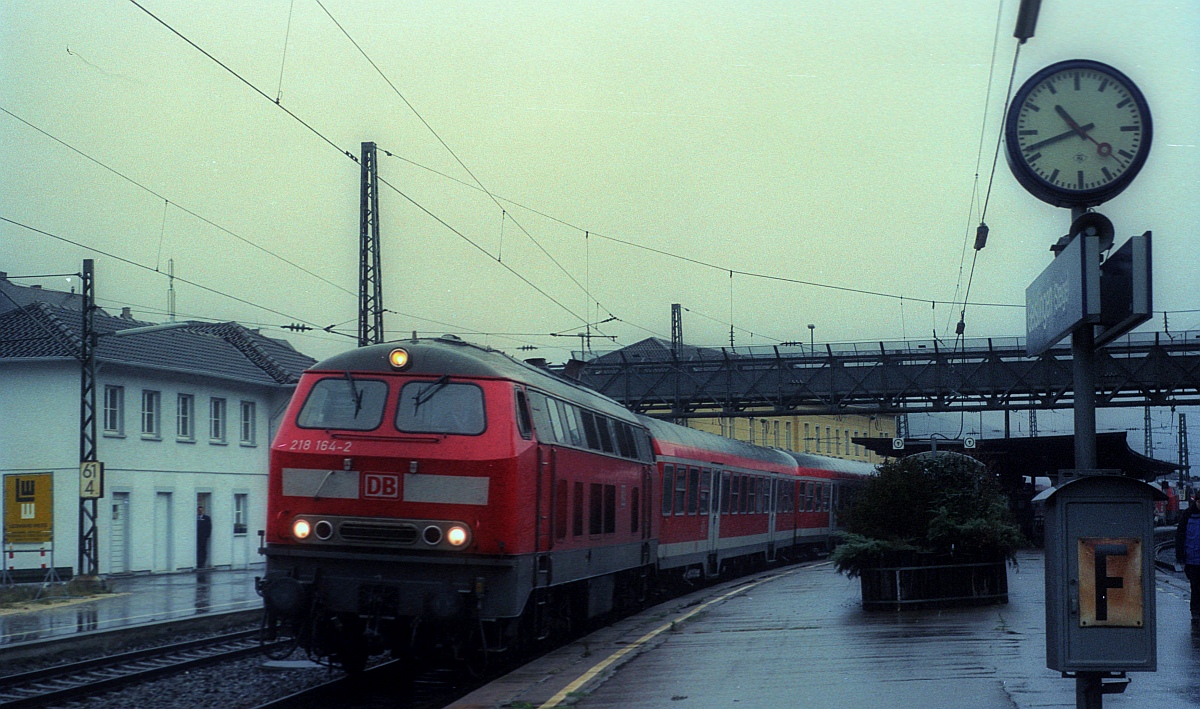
[[345, 403], [524, 425], [441, 406]]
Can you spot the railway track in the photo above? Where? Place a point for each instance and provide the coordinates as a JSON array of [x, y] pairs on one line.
[[91, 677]]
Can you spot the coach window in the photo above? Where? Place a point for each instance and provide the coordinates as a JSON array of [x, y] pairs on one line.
[[724, 492], [681, 486], [577, 511], [752, 498], [668, 488], [524, 425], [693, 491], [705, 490], [801, 497], [735, 488], [766, 494], [828, 494]]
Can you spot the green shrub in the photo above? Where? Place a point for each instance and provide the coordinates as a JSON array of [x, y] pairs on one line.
[[941, 504]]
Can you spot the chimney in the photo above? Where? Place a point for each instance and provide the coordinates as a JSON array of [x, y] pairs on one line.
[[126, 314]]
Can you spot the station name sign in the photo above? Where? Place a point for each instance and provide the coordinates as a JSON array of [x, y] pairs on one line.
[[1065, 295]]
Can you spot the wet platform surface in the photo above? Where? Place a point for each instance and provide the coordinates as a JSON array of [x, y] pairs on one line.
[[801, 639], [136, 600]]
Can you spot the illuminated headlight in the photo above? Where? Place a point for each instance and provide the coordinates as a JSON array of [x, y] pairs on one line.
[[301, 529], [398, 358], [456, 536]]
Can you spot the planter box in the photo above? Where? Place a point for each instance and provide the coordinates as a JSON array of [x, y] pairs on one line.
[[917, 582]]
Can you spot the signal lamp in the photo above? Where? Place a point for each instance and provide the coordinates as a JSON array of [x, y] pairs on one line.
[[399, 358], [301, 529], [456, 536]]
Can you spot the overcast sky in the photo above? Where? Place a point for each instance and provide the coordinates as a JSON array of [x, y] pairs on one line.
[[553, 164]]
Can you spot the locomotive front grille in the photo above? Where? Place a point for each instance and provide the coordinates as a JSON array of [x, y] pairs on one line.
[[378, 532]]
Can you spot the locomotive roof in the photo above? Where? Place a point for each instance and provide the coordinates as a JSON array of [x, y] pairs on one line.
[[455, 357], [837, 465], [692, 438]]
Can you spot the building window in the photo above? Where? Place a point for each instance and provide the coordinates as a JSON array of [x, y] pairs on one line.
[[752, 430], [775, 432], [114, 410], [248, 423], [807, 440], [185, 417], [151, 414], [216, 420], [239, 513], [788, 434]]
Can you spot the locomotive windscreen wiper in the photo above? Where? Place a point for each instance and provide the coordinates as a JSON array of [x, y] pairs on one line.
[[355, 393], [427, 393]]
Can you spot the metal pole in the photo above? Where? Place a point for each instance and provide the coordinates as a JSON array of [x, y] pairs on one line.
[[1084, 371]]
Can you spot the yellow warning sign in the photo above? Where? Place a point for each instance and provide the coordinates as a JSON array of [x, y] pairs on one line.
[[28, 508]]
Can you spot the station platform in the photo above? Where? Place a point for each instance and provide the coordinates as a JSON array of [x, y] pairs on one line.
[[135, 600], [798, 637]]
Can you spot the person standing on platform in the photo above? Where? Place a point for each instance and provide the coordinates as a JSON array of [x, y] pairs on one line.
[[203, 532], [1187, 552]]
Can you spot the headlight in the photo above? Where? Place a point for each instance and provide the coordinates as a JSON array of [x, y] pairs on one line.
[[456, 536], [398, 358], [301, 529]]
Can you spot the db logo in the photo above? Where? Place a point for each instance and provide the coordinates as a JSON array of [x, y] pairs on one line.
[[380, 485]]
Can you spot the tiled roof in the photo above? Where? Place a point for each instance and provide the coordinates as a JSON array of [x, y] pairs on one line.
[[225, 350], [653, 349]]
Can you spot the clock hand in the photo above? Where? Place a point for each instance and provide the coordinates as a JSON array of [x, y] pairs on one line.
[[1102, 149], [1060, 136]]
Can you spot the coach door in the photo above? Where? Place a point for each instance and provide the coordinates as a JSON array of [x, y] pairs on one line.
[[769, 507], [712, 480]]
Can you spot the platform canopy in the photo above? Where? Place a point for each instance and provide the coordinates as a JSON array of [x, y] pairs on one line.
[[1044, 456]]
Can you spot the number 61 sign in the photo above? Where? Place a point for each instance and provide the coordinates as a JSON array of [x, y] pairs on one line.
[[91, 479]]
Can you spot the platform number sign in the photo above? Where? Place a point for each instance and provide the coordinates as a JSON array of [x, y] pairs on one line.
[[91, 479]]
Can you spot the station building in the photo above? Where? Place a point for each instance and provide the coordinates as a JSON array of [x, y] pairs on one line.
[[185, 419]]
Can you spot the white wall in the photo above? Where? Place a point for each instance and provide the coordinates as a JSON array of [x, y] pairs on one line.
[[39, 432]]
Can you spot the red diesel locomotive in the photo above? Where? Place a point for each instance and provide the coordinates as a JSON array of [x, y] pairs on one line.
[[436, 495]]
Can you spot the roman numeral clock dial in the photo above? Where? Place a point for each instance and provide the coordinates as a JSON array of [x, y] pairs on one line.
[[1077, 133]]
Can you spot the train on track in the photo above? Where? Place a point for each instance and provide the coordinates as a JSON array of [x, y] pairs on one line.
[[434, 495]]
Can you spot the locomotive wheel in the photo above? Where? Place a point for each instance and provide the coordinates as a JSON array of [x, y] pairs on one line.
[[278, 640]]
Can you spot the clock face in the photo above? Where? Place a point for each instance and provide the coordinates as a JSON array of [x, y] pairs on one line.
[[1077, 133]]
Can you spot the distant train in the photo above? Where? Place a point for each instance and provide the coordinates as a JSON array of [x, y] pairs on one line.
[[434, 495]]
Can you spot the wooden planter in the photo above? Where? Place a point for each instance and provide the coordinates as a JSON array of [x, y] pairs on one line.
[[924, 581]]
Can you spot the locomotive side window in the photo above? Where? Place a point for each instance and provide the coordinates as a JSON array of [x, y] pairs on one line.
[[605, 430], [441, 407], [589, 429], [524, 424], [344, 403], [556, 423], [539, 411], [668, 488], [570, 417]]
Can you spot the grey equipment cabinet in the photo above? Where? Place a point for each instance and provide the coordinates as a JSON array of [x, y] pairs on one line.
[[1100, 605]]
